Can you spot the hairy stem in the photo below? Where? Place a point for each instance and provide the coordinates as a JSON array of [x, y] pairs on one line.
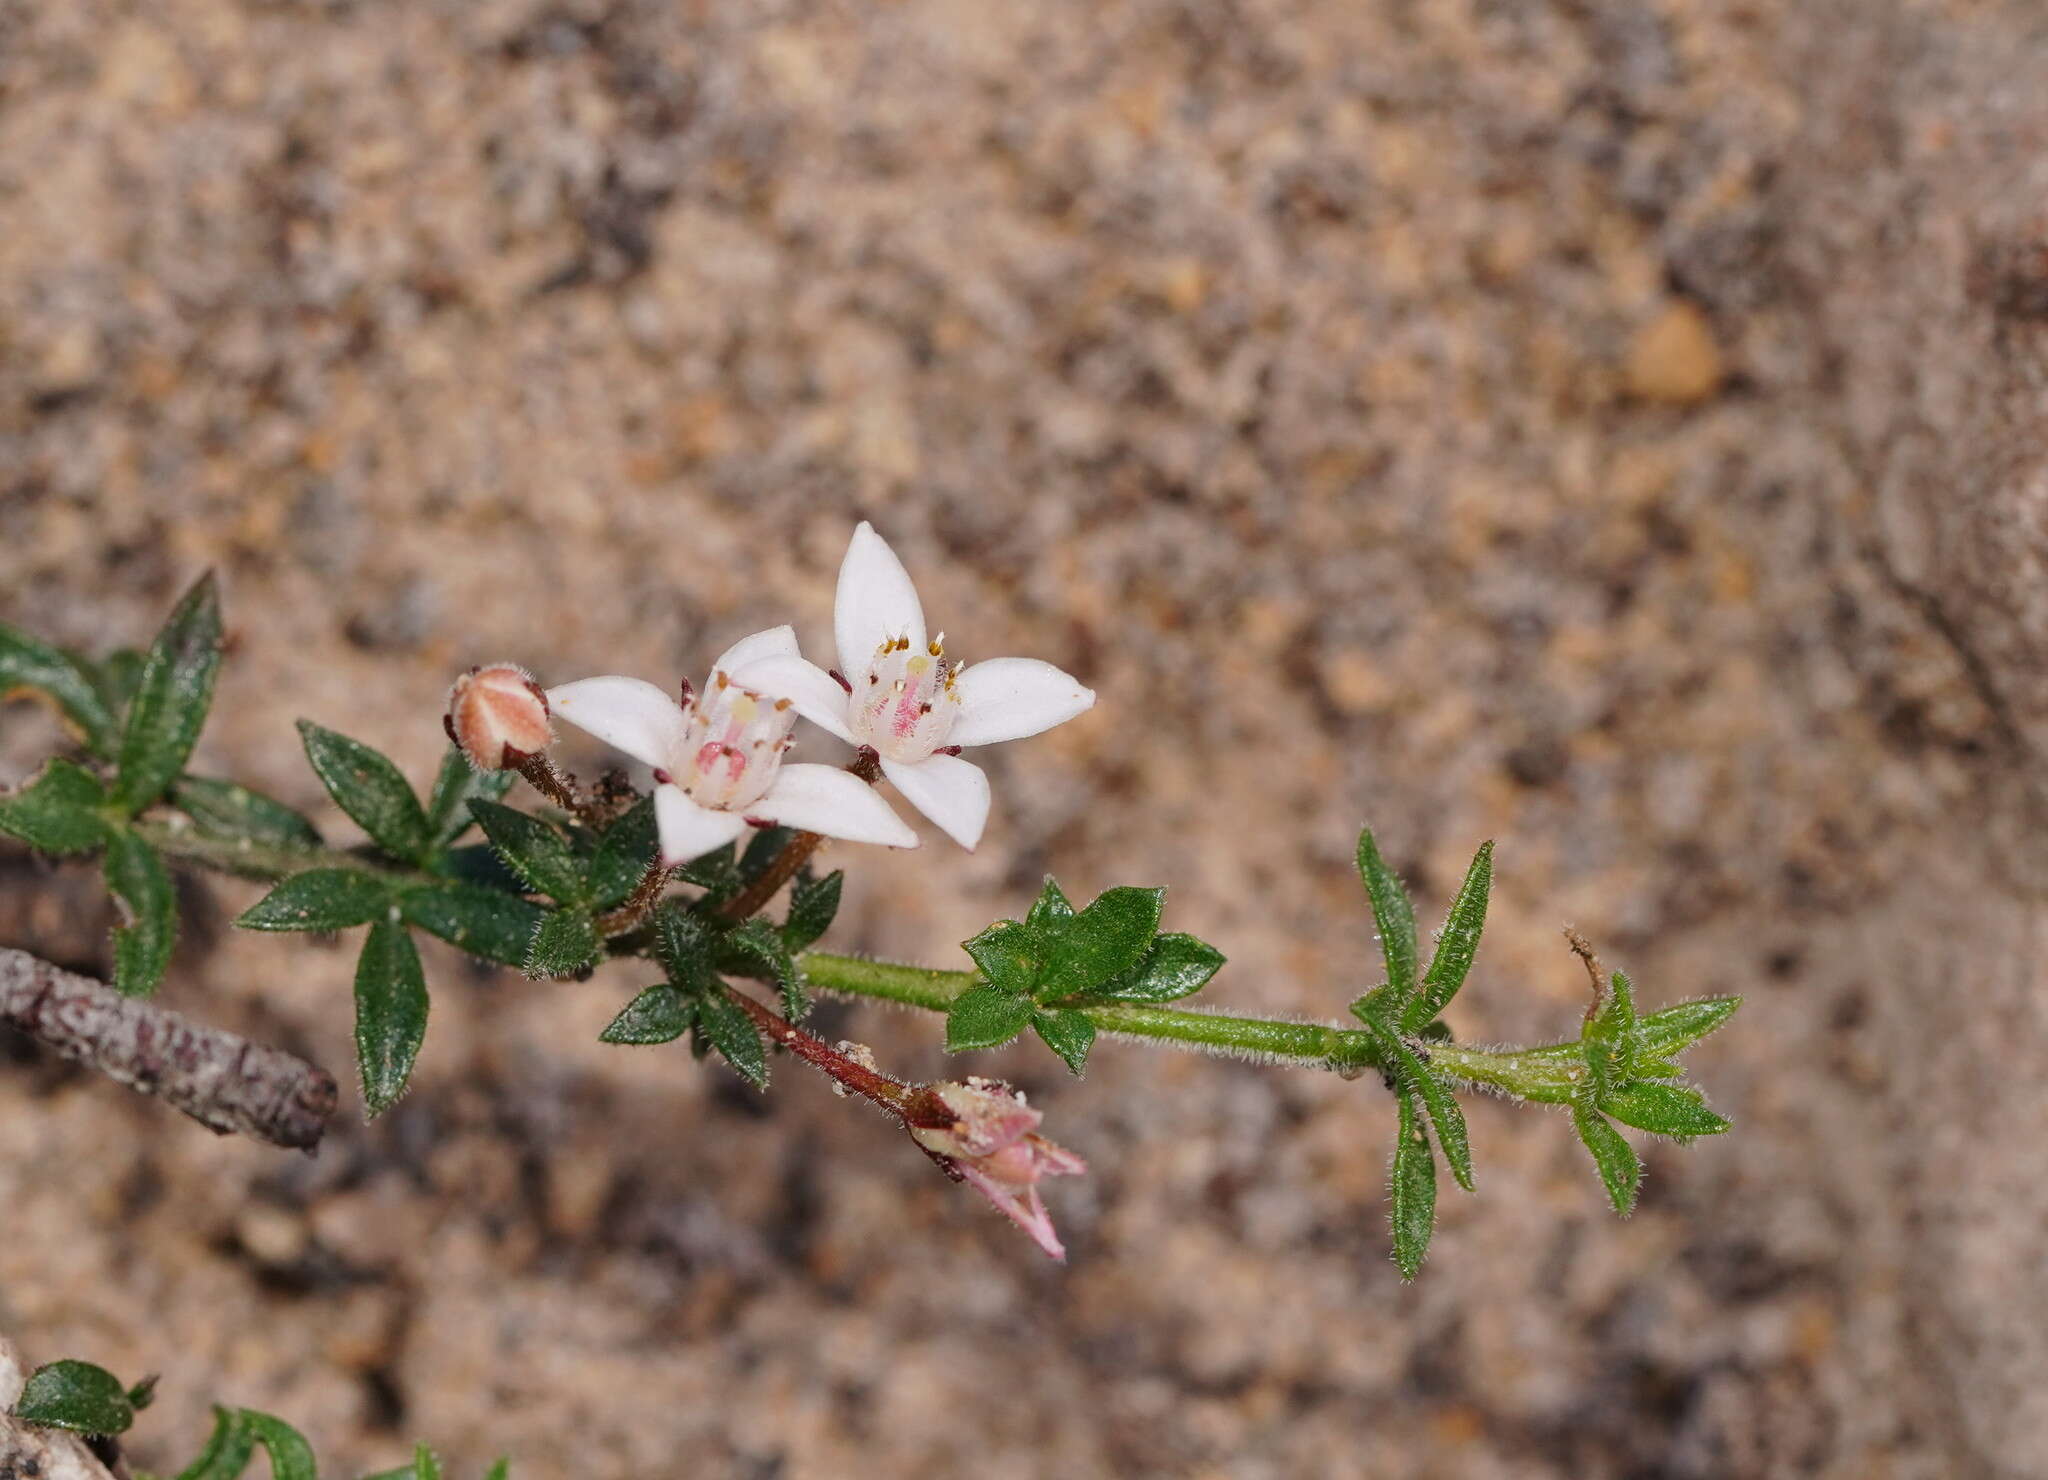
[[913, 1103]]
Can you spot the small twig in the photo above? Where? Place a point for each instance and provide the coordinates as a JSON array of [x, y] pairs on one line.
[[915, 1104], [795, 853], [1583, 949], [220, 1079]]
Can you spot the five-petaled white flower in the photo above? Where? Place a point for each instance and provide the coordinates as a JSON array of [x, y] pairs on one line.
[[717, 758], [899, 696]]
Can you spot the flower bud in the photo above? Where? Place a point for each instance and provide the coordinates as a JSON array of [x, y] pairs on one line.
[[498, 716], [991, 1144]]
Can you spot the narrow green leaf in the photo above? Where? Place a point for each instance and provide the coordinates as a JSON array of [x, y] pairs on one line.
[[484, 922], [685, 945], [716, 872], [26, 663], [1677, 1028], [1105, 940], [143, 1393], [58, 811], [1455, 947], [76, 1396], [1411, 1205], [1393, 914], [391, 1014], [425, 1465], [763, 849], [1068, 1032], [536, 850], [623, 855], [660, 1014], [231, 811], [1663, 1109], [565, 942], [1176, 966], [502, 1470], [1051, 906], [985, 1017], [149, 913], [755, 948], [727, 1027], [1007, 954], [1414, 1076], [370, 789], [813, 904], [479, 864], [1620, 1170], [116, 677], [228, 1451], [321, 899], [291, 1457], [448, 815], [1616, 1018], [171, 699]]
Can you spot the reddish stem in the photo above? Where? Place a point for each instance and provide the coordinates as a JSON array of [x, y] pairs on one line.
[[795, 853], [914, 1104]]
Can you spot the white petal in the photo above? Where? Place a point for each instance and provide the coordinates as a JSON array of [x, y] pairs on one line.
[[689, 831], [815, 693], [875, 602], [950, 791], [775, 642], [825, 799], [629, 714], [1009, 698]]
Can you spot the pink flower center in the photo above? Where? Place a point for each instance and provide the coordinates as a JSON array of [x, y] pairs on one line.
[[733, 741], [905, 705]]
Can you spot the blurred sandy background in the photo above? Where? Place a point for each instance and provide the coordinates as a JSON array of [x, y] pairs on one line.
[[1608, 426]]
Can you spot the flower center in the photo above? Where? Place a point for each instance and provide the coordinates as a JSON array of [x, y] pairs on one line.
[[733, 741], [905, 706]]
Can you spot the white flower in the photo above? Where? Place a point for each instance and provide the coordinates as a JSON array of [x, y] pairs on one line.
[[718, 761], [899, 695]]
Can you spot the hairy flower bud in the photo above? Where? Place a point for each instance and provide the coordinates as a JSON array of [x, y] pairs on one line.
[[991, 1144], [499, 717]]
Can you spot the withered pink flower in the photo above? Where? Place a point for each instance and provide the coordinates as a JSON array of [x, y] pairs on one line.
[[992, 1145], [498, 716]]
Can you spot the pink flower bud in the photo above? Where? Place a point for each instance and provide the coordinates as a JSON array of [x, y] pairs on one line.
[[991, 1144], [499, 716]]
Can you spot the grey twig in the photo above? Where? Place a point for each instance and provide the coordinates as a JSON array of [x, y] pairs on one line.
[[223, 1081]]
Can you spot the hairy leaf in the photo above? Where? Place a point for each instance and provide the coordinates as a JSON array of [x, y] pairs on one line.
[[391, 1014], [1620, 1170], [58, 811], [26, 663], [228, 1451], [448, 814], [1663, 1109], [76, 1396], [370, 789], [1103, 941], [1007, 954], [726, 1026], [813, 904], [763, 849], [1068, 1032], [1051, 906], [686, 946], [171, 699], [1677, 1028], [1176, 966], [1394, 915], [1411, 1204], [321, 899], [536, 850], [565, 942], [755, 948], [484, 922], [1415, 1077], [231, 811], [985, 1017], [291, 1457], [660, 1014], [623, 855], [149, 912], [1455, 947]]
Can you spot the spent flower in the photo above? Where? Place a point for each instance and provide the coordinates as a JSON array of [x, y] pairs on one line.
[[895, 693], [992, 1144]]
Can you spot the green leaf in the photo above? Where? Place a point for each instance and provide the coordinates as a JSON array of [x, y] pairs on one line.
[[813, 904], [76, 1396], [116, 677], [1620, 1170], [227, 1453], [391, 1014], [502, 1470], [725, 1024], [484, 922], [370, 789], [660, 1014], [1051, 906], [714, 871], [1677, 1028], [425, 1466], [1007, 954], [1415, 1077], [58, 811], [1616, 1018], [623, 855], [28, 664], [291, 1457], [1176, 966], [1663, 1109], [763, 849], [565, 942], [1411, 1205], [478, 864], [448, 816], [685, 945], [231, 811], [1103, 941], [537, 851], [1068, 1032], [1393, 914], [1455, 947], [171, 699], [755, 948], [143, 1393], [321, 899], [149, 913], [985, 1017]]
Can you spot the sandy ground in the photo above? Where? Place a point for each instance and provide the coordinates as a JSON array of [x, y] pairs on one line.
[[1460, 415]]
